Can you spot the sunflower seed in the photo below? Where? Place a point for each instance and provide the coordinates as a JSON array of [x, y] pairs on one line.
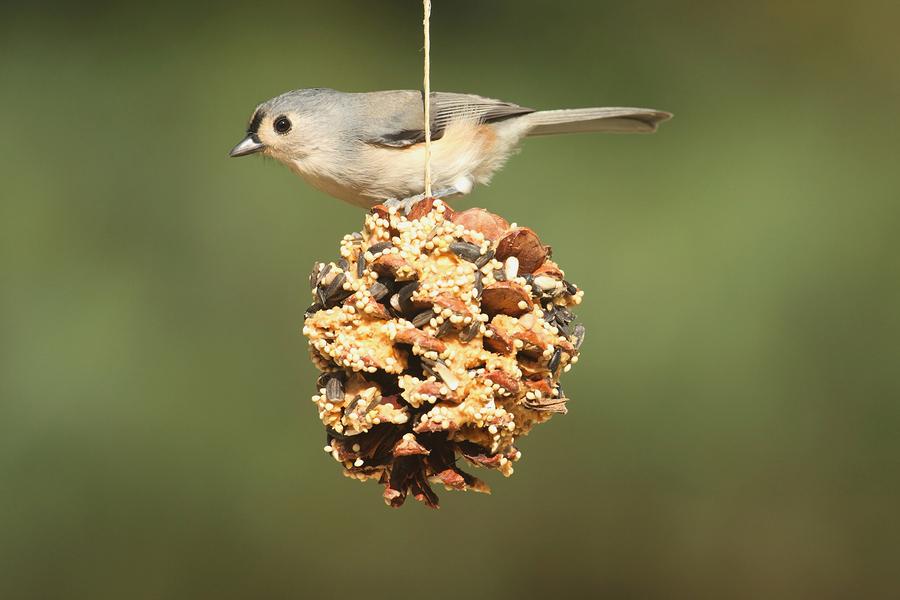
[[479, 286], [553, 365], [323, 273], [466, 251], [326, 269], [511, 267], [440, 370], [372, 404], [443, 329], [349, 408], [405, 293], [314, 275], [546, 283], [322, 380], [563, 327], [422, 319], [470, 332], [335, 288], [343, 265], [395, 303], [555, 406], [579, 336], [334, 434], [499, 275], [334, 389], [570, 287], [484, 259], [379, 247], [563, 314], [427, 368], [313, 308], [378, 290], [361, 264], [447, 375]]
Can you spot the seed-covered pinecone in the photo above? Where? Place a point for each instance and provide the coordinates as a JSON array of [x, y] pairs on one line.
[[439, 334]]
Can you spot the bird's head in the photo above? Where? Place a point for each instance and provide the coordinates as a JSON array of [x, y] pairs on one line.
[[288, 127]]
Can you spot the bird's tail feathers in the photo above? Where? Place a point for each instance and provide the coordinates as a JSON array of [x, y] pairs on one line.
[[607, 120]]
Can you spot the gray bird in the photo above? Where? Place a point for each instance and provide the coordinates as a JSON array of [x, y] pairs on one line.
[[366, 148]]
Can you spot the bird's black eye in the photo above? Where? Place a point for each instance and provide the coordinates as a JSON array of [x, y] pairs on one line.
[[282, 125]]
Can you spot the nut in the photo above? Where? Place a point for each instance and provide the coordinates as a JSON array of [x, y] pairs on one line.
[[525, 245], [506, 298], [477, 219]]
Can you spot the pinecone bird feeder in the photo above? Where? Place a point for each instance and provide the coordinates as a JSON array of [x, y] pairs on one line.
[[439, 335]]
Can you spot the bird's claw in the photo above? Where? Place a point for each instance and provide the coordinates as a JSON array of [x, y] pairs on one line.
[[406, 204]]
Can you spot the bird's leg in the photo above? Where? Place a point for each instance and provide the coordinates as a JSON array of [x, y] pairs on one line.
[[407, 203]]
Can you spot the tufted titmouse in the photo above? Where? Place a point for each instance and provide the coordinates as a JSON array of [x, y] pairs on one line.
[[366, 148]]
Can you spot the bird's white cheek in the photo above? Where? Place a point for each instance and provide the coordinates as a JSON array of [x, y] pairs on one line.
[[297, 166]]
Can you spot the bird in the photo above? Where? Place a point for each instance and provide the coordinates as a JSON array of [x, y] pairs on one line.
[[368, 148]]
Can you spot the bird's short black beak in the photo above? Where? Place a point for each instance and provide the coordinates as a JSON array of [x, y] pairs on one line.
[[248, 145]]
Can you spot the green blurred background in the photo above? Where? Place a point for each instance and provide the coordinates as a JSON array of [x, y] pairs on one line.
[[734, 425]]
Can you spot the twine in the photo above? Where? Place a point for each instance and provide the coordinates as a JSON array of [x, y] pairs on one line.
[[426, 4]]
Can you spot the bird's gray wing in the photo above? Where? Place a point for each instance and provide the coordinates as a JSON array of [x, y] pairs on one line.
[[397, 118]]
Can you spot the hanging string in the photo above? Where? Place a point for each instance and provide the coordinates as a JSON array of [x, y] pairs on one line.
[[426, 4]]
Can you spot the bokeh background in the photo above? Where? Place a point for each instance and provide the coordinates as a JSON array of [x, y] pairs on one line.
[[734, 428]]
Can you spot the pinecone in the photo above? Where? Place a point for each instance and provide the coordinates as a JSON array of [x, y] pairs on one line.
[[439, 335]]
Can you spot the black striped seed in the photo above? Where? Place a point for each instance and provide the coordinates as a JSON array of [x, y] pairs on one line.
[[423, 318], [311, 309], [484, 259], [466, 251], [335, 289], [404, 294], [579, 335], [553, 365], [443, 329], [378, 290], [314, 275], [470, 332], [349, 408], [379, 247], [334, 389]]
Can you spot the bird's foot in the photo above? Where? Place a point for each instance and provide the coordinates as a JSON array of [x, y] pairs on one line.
[[407, 203]]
